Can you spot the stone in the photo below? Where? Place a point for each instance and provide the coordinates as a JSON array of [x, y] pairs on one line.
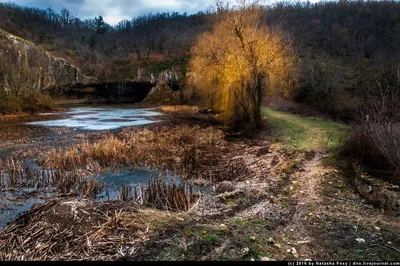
[[266, 259], [41, 70], [225, 186], [360, 240], [223, 227]]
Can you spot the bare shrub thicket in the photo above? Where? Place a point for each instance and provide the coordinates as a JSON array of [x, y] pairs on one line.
[[380, 118]]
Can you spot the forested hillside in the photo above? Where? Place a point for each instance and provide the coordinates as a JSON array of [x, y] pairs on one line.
[[340, 46]]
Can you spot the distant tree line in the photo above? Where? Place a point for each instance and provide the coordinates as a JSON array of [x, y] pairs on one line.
[[340, 45]]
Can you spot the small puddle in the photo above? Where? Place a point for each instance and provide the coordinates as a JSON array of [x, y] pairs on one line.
[[13, 203], [133, 178]]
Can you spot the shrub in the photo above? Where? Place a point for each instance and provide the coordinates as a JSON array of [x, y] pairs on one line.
[[379, 120], [10, 104], [45, 102], [359, 147]]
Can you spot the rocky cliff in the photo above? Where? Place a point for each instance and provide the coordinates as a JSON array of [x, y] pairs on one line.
[[26, 68]]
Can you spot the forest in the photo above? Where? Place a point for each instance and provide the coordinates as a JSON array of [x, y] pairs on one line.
[[341, 46]]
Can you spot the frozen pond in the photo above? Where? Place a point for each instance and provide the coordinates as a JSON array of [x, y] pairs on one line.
[[91, 118]]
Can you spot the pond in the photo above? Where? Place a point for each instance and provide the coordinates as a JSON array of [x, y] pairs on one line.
[[101, 118], [80, 120]]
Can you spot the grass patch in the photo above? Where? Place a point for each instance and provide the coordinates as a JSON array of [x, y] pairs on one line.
[[305, 133]]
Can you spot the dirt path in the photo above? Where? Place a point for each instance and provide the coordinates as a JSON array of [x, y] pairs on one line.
[[305, 198], [309, 179], [340, 227]]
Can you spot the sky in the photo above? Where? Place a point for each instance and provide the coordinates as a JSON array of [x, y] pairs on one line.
[[113, 11]]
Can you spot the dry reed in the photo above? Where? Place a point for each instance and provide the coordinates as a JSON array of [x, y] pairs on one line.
[[14, 175], [180, 149], [161, 195], [181, 109], [157, 193]]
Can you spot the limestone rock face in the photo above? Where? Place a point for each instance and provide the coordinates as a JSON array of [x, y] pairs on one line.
[[26, 68]]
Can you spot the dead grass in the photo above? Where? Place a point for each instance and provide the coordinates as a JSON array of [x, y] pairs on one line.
[[180, 149], [80, 230], [13, 175], [158, 193], [161, 195], [181, 109]]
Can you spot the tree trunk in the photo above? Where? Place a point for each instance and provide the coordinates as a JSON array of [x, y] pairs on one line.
[[256, 101], [257, 108]]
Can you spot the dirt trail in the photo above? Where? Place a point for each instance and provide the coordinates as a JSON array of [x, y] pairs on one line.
[[306, 198], [309, 179], [339, 226]]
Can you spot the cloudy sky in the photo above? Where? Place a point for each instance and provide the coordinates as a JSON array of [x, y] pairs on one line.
[[114, 11]]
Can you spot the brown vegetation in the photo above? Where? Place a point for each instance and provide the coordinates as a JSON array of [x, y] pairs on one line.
[[375, 140], [84, 231], [185, 109], [162, 94], [14, 175], [160, 194], [179, 149], [33, 103], [382, 119]]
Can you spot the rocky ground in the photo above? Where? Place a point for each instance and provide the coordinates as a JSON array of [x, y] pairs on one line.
[[287, 198]]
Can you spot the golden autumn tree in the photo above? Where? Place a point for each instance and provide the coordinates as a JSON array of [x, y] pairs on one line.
[[237, 62]]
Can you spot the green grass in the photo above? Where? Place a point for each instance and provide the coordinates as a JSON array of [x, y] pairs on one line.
[[305, 133]]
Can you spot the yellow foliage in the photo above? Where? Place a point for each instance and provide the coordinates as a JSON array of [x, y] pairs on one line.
[[239, 60]]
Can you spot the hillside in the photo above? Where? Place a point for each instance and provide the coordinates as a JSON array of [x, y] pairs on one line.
[[341, 46]]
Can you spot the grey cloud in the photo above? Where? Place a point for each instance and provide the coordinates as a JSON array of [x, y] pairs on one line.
[[116, 10]]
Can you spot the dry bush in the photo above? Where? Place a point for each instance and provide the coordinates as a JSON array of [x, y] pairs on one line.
[[181, 109], [14, 175], [289, 106], [13, 104], [179, 149], [10, 104], [162, 94], [380, 119], [45, 102]]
